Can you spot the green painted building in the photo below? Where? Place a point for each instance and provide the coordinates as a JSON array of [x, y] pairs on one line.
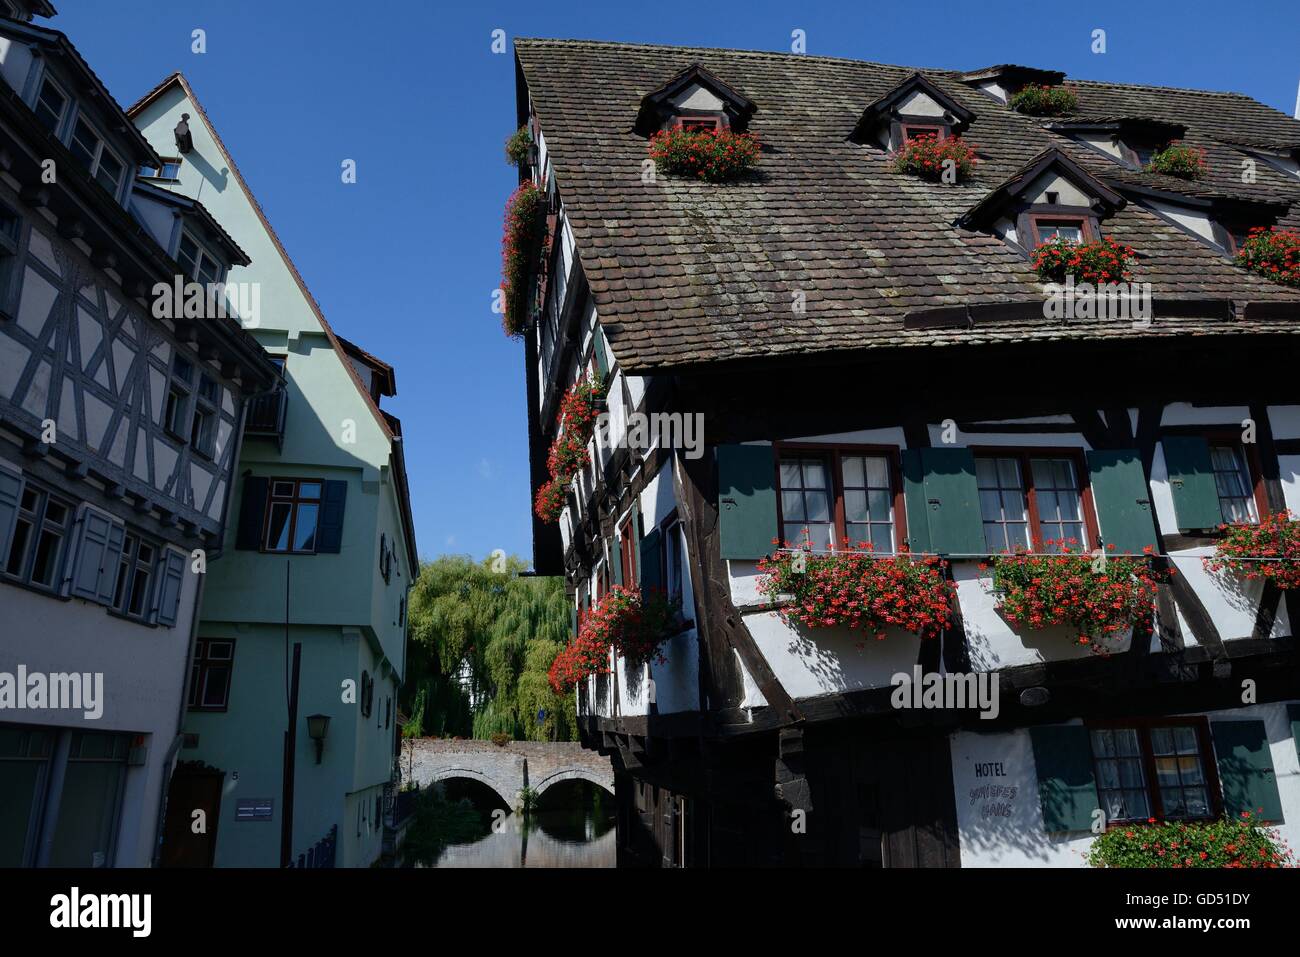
[[319, 552]]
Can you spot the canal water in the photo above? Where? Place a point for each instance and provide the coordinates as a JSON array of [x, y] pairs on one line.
[[572, 825]]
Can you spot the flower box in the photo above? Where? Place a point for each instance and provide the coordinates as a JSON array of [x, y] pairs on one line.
[[1106, 261], [711, 155], [569, 453], [523, 244], [928, 156], [1273, 254], [1036, 99], [1185, 162], [518, 145], [633, 622], [1100, 600], [1267, 552], [1224, 843], [859, 590]]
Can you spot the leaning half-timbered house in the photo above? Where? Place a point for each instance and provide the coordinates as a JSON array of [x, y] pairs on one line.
[[875, 358], [120, 422]]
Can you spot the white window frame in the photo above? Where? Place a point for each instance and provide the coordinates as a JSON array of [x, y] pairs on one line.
[[97, 155]]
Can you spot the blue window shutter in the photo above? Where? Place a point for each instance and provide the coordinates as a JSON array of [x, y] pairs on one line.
[[1122, 499], [252, 513], [95, 558], [1246, 769], [1191, 481], [918, 519], [11, 495], [651, 548], [112, 558], [952, 502], [746, 500], [1067, 785], [333, 499], [171, 578]]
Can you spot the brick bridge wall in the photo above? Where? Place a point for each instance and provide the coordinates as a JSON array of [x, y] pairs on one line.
[[506, 769]]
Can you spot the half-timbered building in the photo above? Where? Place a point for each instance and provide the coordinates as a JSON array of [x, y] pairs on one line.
[[120, 421], [874, 359]]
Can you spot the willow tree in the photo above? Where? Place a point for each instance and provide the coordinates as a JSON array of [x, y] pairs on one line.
[[482, 637]]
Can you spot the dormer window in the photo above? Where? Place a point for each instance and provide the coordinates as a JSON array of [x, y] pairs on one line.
[[169, 171], [198, 264], [912, 109], [102, 162], [1130, 141], [694, 99], [1051, 198], [51, 104]]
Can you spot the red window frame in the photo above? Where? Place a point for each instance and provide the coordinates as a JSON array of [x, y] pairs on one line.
[[909, 130], [626, 553], [711, 121], [1085, 223], [833, 453], [1253, 466], [1150, 780], [1023, 453]]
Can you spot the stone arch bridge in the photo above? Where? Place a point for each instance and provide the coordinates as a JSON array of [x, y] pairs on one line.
[[507, 769]]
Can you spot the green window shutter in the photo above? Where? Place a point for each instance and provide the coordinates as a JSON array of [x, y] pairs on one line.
[[1293, 712], [952, 502], [573, 620], [1122, 499], [918, 520], [1191, 481], [1246, 769], [11, 494], [651, 548], [1067, 787], [616, 563], [602, 357], [333, 502], [746, 500], [252, 513]]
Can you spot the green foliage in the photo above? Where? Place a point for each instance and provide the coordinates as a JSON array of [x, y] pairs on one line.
[[1227, 842], [1042, 100], [517, 144], [438, 822], [482, 638]]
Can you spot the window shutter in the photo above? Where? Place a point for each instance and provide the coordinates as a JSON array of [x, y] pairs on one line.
[[1122, 499], [1246, 769], [11, 495], [99, 547], [651, 548], [171, 577], [602, 357], [1293, 712], [333, 498], [1191, 481], [252, 513], [943, 506], [573, 621], [634, 529], [616, 562], [1067, 787], [746, 500]]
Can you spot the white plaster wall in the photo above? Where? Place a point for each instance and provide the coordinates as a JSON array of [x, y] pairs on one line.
[[1104, 142], [696, 97], [1070, 195], [15, 62], [920, 104], [1012, 835], [1191, 220], [1285, 421]]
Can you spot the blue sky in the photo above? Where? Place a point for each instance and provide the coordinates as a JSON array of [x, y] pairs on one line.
[[404, 262]]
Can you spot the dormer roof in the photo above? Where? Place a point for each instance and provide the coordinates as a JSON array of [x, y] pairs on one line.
[[1130, 127], [1104, 199], [660, 104], [200, 213], [1012, 75], [885, 106]]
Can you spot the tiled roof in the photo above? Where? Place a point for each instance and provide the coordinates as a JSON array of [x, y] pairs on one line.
[[685, 273]]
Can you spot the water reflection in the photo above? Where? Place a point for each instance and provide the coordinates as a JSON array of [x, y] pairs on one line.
[[572, 825]]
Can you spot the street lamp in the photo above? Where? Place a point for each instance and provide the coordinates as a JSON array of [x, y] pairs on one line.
[[317, 726]]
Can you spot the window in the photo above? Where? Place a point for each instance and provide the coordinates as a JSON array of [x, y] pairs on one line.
[[176, 411], [214, 660], [627, 553], [367, 693], [291, 517], [203, 427], [103, 164], [838, 495], [1070, 228], [913, 131], [40, 532], [401, 612], [134, 577], [196, 262], [1233, 483], [51, 103], [1154, 769], [10, 233], [385, 559], [699, 123], [388, 712], [673, 571], [1033, 499], [170, 170]]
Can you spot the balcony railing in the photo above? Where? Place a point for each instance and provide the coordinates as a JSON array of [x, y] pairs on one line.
[[266, 415]]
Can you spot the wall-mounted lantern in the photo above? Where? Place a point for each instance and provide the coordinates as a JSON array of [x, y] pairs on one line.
[[318, 726], [184, 140]]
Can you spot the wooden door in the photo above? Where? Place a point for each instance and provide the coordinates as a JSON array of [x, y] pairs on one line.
[[193, 788]]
